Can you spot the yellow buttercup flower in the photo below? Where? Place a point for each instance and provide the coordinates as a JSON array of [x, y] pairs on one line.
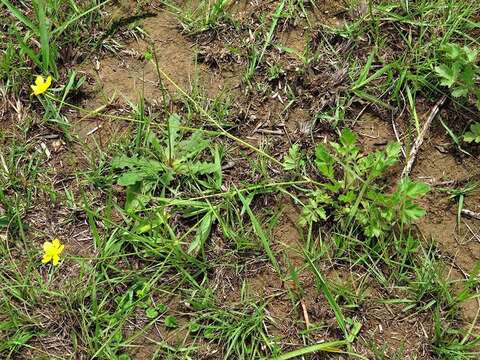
[[41, 85], [52, 251]]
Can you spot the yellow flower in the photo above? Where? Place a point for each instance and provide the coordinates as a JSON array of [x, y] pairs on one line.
[[41, 85], [52, 251]]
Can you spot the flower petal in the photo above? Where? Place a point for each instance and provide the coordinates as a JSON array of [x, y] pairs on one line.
[[46, 258], [41, 85], [47, 247], [48, 82], [56, 243], [60, 249], [56, 259], [39, 80]]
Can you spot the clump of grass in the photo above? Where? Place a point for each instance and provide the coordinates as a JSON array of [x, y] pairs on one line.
[[41, 37], [204, 16]]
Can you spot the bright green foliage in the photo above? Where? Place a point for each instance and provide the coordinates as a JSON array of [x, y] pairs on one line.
[[459, 72], [473, 135], [207, 15], [42, 32], [170, 162], [171, 322], [175, 156], [293, 160], [351, 195], [243, 331]]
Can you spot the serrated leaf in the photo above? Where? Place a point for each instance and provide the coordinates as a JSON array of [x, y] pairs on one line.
[[200, 168], [411, 212], [293, 160], [470, 54], [324, 161], [393, 150], [348, 137], [446, 74], [413, 189], [140, 169], [452, 51], [348, 197], [123, 162], [468, 76]]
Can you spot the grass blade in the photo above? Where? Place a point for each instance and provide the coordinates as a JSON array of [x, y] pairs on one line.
[[43, 32], [330, 298], [58, 31], [18, 14], [332, 347], [260, 233]]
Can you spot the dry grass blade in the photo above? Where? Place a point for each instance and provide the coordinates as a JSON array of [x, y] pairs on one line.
[[421, 137]]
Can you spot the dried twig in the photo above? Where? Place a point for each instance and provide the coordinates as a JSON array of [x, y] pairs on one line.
[[471, 214], [270, 132], [305, 314], [419, 141]]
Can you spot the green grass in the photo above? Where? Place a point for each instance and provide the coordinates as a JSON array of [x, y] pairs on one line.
[[172, 250], [36, 34]]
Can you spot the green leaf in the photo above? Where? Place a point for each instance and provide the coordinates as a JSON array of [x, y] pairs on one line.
[[171, 322], [473, 135], [194, 327], [411, 212], [173, 126], [348, 197], [195, 144], [373, 230], [393, 150], [203, 232], [131, 178], [312, 213], [151, 313], [348, 137], [324, 161], [413, 189], [448, 75], [468, 76], [452, 51], [260, 233], [4, 221], [140, 169], [293, 160], [200, 168], [162, 308], [471, 54], [460, 92]]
